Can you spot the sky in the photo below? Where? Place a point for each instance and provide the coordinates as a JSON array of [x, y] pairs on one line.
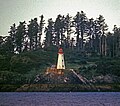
[[14, 11]]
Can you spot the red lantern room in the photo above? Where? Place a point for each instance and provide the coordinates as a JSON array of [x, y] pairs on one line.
[[60, 51]]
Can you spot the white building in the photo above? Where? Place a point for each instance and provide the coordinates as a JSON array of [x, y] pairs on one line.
[[60, 62]]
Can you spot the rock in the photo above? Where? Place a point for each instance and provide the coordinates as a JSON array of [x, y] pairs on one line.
[[23, 88], [106, 79]]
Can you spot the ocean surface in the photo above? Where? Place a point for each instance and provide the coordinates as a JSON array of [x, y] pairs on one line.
[[60, 99]]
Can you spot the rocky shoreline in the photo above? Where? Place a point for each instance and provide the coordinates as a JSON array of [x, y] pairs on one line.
[[68, 88]]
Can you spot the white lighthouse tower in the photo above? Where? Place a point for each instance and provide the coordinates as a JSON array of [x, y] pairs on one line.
[[60, 62]]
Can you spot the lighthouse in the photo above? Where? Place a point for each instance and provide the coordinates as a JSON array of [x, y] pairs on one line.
[[60, 62]]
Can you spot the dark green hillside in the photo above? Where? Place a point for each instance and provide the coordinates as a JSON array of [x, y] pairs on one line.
[[19, 69], [22, 66]]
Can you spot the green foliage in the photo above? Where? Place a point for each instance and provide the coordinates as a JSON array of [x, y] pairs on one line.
[[9, 87], [7, 77], [111, 66], [22, 68], [89, 71], [20, 64], [4, 62]]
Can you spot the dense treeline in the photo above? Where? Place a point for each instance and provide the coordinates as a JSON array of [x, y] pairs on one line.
[[78, 33], [24, 54]]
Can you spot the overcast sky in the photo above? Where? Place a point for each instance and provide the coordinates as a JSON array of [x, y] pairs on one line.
[[14, 11]]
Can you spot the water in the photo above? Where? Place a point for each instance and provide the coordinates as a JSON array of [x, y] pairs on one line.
[[60, 99]]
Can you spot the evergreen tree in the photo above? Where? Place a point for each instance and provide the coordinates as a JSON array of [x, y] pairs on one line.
[[30, 34], [116, 40], [68, 29], [72, 43], [59, 30], [91, 35], [97, 37], [1, 41], [110, 44], [102, 29], [1, 44], [41, 26], [19, 38], [12, 38], [80, 21], [33, 34], [49, 31]]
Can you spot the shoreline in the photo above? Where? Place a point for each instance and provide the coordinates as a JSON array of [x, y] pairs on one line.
[[60, 88]]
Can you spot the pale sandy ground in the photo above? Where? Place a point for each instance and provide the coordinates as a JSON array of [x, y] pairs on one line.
[[60, 99]]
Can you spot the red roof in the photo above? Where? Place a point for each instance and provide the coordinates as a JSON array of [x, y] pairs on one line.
[[60, 51]]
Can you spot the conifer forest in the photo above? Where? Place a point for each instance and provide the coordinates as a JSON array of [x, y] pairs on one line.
[[78, 33]]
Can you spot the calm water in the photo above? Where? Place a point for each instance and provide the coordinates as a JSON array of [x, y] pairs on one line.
[[60, 99]]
